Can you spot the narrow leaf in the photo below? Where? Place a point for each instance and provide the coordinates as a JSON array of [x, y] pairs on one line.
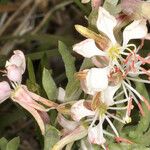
[[31, 70], [49, 84], [68, 59]]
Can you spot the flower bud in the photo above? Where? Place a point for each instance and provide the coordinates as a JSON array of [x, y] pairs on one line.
[[17, 59]]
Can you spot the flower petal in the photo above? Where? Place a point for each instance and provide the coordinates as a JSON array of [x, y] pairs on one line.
[[88, 49], [79, 111], [136, 30], [14, 73], [61, 94], [67, 124], [36, 116], [109, 94], [95, 134], [4, 91], [85, 1], [106, 23], [97, 79]]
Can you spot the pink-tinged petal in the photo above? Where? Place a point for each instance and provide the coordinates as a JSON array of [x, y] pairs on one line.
[[88, 49], [85, 1], [22, 96], [106, 23], [79, 111], [136, 30], [14, 73], [35, 114], [109, 94], [77, 134], [18, 59], [131, 7], [4, 91], [44, 116], [97, 79], [95, 134], [96, 3], [67, 124]]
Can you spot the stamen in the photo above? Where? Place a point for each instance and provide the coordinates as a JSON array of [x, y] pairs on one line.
[[117, 108], [139, 80], [115, 117], [119, 94], [132, 89], [121, 101], [112, 126], [141, 109]]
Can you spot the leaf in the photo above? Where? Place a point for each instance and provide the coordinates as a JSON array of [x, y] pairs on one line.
[[75, 135], [13, 144], [49, 85], [31, 70], [52, 136], [68, 60], [73, 90], [3, 143]]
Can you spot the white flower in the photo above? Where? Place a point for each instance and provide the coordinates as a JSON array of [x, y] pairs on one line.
[[94, 80], [106, 24], [96, 110]]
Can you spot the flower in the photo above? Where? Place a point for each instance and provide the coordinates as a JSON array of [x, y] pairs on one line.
[[95, 3], [20, 94], [96, 110], [107, 46], [15, 66]]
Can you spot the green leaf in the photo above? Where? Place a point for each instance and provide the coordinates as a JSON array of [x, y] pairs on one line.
[[13, 144], [68, 60], [3, 143], [52, 136], [49, 85], [31, 70], [73, 90]]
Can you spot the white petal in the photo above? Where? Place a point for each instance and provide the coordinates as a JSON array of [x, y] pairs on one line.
[[87, 48], [106, 23], [95, 134], [61, 94], [4, 91], [67, 124], [136, 30], [97, 79], [79, 111], [109, 94], [85, 1], [85, 89]]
